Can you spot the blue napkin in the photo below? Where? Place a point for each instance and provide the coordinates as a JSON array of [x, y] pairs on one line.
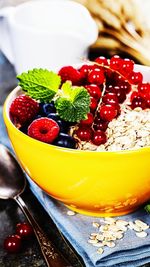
[[131, 251]]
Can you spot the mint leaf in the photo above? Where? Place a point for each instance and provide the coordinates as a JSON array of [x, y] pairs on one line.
[[66, 88], [147, 208], [73, 103], [40, 84]]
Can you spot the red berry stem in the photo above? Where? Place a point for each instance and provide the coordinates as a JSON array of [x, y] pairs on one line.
[[99, 104], [108, 68]]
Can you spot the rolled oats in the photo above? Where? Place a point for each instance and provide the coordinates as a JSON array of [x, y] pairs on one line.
[[129, 131], [96, 225], [100, 251], [70, 213], [141, 234], [111, 230], [141, 224]]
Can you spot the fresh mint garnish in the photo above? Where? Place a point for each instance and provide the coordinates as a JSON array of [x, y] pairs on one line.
[[40, 84], [73, 103], [147, 208]]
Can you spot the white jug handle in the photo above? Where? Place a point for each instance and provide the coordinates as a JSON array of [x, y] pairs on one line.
[[5, 41]]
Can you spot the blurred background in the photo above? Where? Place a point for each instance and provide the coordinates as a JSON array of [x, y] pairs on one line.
[[124, 29]]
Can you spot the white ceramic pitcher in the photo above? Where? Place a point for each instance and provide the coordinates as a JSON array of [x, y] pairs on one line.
[[46, 34]]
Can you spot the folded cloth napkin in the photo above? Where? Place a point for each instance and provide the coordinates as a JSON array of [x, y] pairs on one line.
[[131, 251]]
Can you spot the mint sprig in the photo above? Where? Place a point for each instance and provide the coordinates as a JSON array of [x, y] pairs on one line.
[[40, 84], [73, 103], [147, 208]]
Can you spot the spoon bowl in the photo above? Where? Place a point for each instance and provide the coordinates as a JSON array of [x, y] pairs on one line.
[[14, 182]]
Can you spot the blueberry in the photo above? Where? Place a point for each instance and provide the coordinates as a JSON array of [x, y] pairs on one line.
[[53, 116], [64, 128], [37, 117], [65, 140], [45, 109], [24, 128]]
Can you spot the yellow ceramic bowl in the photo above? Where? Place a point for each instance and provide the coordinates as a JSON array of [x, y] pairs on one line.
[[92, 183]]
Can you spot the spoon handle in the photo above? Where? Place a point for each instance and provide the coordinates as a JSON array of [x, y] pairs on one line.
[[52, 256]]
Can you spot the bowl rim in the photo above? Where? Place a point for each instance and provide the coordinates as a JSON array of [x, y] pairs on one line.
[[17, 91]]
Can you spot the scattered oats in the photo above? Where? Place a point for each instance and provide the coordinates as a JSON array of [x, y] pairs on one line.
[[70, 213], [92, 241], [131, 225], [122, 227], [110, 244], [141, 234], [100, 251], [110, 220], [121, 222], [137, 228], [110, 238], [92, 237], [99, 245], [112, 230], [96, 225], [100, 237], [104, 228], [94, 234], [141, 224], [119, 235]]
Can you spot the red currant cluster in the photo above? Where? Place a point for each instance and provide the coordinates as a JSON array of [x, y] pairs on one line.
[[141, 97], [109, 83], [13, 243]]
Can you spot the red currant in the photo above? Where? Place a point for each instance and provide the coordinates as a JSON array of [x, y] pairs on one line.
[[99, 138], [12, 243], [84, 70], [127, 67], [108, 112], [88, 121], [24, 230], [118, 79], [108, 73], [96, 76], [119, 93], [84, 133], [135, 77], [145, 95], [125, 86], [144, 87], [94, 91], [110, 98], [99, 124], [109, 88], [138, 102], [148, 102], [102, 61], [133, 95], [93, 104], [115, 62]]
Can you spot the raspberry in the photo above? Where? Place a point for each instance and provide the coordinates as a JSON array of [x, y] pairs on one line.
[[44, 129], [71, 74], [23, 109]]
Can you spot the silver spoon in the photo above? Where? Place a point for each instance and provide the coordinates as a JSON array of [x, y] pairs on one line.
[[12, 184]]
